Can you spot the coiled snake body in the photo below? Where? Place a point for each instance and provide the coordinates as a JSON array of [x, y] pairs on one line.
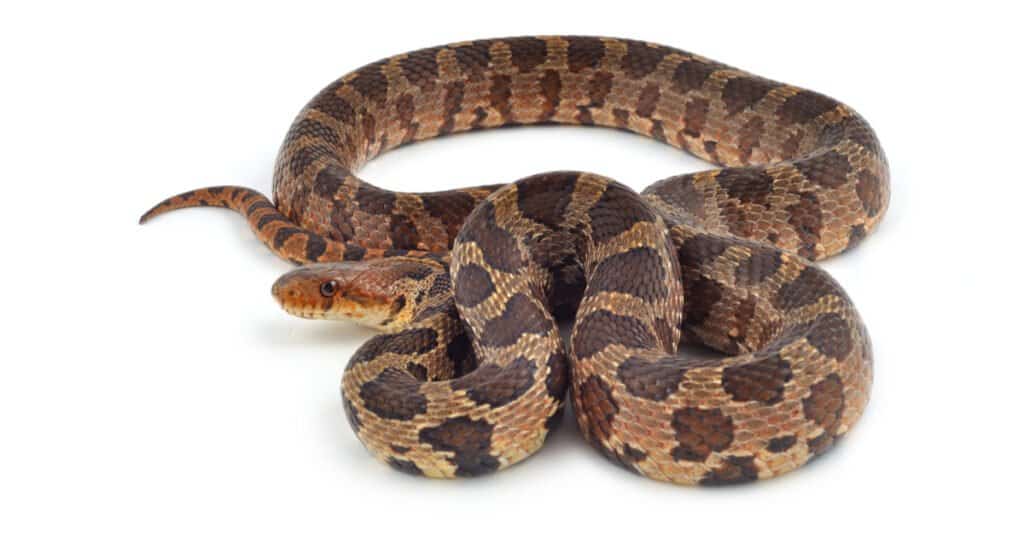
[[471, 372]]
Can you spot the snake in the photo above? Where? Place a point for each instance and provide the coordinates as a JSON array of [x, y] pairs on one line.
[[470, 372]]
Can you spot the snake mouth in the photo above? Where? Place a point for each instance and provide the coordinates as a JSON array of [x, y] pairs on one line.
[[339, 311], [308, 313]]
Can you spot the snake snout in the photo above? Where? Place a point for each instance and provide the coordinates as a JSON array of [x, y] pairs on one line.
[[283, 292]]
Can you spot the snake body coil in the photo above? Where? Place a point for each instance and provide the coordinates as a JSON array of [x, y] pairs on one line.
[[471, 373]]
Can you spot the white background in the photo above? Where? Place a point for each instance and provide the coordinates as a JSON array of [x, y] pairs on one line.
[[149, 383]]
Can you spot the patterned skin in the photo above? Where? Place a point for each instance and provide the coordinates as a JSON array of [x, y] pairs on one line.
[[471, 372]]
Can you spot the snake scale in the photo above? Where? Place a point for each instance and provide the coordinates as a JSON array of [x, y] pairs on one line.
[[470, 373]]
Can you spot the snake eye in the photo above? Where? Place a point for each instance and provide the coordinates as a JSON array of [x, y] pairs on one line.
[[329, 288]]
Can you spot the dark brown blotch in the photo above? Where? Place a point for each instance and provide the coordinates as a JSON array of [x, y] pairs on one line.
[[453, 95], [499, 247], [627, 457], [701, 249], [544, 198], [807, 219], [479, 116], [653, 380], [474, 59], [781, 444], [354, 252], [451, 207], [351, 415], [374, 200], [638, 272], [750, 137], [316, 246], [824, 406], [394, 395], [495, 385], [404, 466], [405, 107], [584, 52], [521, 316], [743, 92], [763, 380], [272, 217], [641, 59], [851, 128], [711, 148], [821, 443], [828, 170], [441, 285], [418, 371], [601, 328], [473, 285], [420, 67], [701, 294], [734, 469], [599, 409], [307, 156], [583, 115], [648, 100], [658, 130], [869, 190], [761, 264], [313, 129], [700, 432], [691, 74], [857, 234], [550, 89], [283, 234], [252, 209], [599, 87], [527, 52], [806, 289], [804, 106], [403, 233], [621, 117], [555, 420], [695, 117], [680, 192], [329, 103], [748, 185], [557, 380], [328, 181], [616, 211], [831, 335], [468, 439], [371, 82], [460, 353], [633, 454], [500, 96]]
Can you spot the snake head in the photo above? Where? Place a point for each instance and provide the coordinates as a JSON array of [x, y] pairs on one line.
[[380, 293]]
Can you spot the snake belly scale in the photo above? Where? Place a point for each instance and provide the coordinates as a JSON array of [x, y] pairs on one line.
[[471, 374]]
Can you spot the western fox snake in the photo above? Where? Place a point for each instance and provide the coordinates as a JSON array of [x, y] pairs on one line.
[[471, 372]]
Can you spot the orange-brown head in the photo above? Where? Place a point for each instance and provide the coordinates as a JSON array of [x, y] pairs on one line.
[[381, 293]]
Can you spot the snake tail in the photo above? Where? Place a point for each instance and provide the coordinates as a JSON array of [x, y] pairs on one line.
[[287, 240]]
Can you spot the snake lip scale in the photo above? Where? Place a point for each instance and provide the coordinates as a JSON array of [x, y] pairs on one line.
[[469, 374]]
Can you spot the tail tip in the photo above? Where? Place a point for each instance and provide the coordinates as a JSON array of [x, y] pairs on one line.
[[149, 214]]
